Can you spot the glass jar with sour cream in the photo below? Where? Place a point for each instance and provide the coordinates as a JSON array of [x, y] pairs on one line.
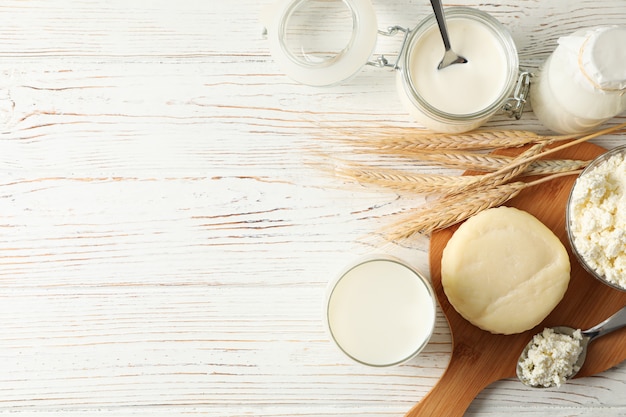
[[460, 97], [324, 42]]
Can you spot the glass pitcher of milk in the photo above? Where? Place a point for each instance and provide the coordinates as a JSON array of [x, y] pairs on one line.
[[324, 42], [582, 84]]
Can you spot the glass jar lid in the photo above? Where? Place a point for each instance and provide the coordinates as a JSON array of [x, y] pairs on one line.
[[321, 42]]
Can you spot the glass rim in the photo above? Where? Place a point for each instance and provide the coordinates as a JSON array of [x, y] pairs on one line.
[[284, 23], [418, 275]]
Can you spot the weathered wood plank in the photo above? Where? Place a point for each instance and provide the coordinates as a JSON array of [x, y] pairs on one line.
[[166, 241]]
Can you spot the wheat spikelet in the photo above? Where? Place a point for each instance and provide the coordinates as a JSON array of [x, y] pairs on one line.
[[451, 184], [559, 148], [405, 140], [483, 162], [452, 209], [466, 196], [507, 172], [439, 184], [518, 165], [390, 178], [460, 159], [554, 166], [399, 180]]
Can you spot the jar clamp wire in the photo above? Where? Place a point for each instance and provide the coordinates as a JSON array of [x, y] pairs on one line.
[[325, 42]]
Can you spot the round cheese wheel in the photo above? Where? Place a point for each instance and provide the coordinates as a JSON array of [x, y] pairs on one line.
[[504, 271]]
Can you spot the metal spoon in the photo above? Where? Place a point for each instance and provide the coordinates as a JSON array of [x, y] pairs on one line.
[[615, 322], [449, 57]]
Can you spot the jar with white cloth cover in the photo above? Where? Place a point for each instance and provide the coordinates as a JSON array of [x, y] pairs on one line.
[[325, 42], [582, 84]]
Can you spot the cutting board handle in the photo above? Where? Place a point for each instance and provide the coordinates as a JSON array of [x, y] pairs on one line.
[[457, 387]]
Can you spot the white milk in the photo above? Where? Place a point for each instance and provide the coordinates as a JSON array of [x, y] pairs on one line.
[[582, 84], [461, 88], [381, 312]]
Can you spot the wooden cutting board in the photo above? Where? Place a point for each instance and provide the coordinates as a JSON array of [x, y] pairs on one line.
[[479, 357]]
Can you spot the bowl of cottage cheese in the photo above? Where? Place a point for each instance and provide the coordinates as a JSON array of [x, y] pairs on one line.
[[596, 218]]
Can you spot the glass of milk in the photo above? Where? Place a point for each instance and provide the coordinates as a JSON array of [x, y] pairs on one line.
[[463, 96], [380, 312]]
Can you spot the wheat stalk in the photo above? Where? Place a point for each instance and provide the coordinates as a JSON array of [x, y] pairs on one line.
[[509, 171], [554, 166], [405, 140], [429, 183], [550, 151], [438, 184], [451, 184], [476, 161], [461, 159], [399, 180], [453, 209], [466, 196]]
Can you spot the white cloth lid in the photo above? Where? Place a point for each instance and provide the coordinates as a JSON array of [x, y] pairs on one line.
[[344, 66], [601, 55]]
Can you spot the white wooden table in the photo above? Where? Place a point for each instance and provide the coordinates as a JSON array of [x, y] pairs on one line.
[[165, 246]]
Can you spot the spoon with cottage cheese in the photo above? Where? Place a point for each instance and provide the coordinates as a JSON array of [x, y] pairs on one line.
[[555, 355]]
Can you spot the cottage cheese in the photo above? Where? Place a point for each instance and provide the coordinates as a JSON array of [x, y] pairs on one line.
[[598, 218], [552, 358]]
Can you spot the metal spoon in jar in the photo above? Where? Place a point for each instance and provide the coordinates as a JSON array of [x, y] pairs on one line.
[[615, 322], [449, 57]]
